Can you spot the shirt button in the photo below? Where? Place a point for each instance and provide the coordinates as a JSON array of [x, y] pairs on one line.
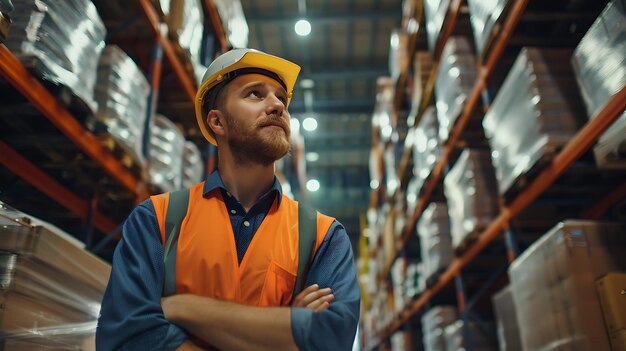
[[246, 223], [233, 211]]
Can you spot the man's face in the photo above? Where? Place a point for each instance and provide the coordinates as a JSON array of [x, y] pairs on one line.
[[257, 122]]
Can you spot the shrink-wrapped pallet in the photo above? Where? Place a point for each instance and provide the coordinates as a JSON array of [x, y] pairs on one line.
[[435, 12], [426, 147], [122, 93], [433, 229], [167, 144], [483, 15], [457, 337], [51, 287], [554, 285], [600, 65], [186, 25], [471, 190], [422, 67], [60, 41], [234, 22], [434, 323], [535, 113], [455, 80], [193, 166], [506, 320]]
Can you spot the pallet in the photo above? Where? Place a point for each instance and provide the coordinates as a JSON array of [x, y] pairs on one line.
[[550, 151], [124, 155]]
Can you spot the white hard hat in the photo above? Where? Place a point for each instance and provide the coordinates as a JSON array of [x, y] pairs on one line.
[[232, 64]]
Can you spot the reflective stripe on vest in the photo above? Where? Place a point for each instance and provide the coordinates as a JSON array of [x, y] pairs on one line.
[[279, 264]]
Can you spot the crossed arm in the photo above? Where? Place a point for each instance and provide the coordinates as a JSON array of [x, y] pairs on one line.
[[231, 326]]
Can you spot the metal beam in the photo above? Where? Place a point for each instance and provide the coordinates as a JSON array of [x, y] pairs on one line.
[[317, 19], [337, 106]]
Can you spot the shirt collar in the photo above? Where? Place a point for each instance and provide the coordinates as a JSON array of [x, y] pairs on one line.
[[214, 181]]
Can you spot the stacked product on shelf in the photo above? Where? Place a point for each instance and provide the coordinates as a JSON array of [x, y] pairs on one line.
[[506, 321], [186, 25], [122, 95], [402, 341], [612, 291], [455, 80], [398, 277], [167, 144], [193, 166], [600, 65], [484, 14], [51, 287], [554, 285], [414, 285], [455, 335], [535, 113], [471, 190], [6, 7], [234, 22], [435, 13], [60, 41], [422, 66], [398, 54], [434, 323], [426, 147], [384, 119], [433, 229]]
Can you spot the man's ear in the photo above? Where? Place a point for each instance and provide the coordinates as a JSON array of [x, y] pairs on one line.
[[214, 120]]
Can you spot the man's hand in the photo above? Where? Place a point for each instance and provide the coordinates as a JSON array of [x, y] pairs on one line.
[[314, 298]]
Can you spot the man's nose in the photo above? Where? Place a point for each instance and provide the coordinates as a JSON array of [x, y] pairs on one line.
[[275, 105]]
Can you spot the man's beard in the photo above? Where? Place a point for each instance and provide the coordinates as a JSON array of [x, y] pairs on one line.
[[250, 146]]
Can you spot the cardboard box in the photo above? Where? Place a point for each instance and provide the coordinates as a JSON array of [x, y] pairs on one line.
[[612, 292]]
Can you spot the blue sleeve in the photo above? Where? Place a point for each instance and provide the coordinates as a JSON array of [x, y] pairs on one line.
[[335, 327], [131, 317]]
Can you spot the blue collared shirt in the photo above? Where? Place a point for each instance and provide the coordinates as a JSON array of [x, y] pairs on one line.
[[131, 317]]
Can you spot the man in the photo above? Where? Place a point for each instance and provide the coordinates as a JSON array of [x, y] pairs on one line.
[[230, 267]]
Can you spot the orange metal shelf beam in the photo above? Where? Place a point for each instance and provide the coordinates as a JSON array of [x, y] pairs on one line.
[[598, 210], [168, 49], [517, 10], [572, 151], [30, 173], [16, 74], [216, 23]]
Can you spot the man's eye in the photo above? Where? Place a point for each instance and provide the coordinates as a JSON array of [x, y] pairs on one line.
[[283, 99], [254, 93]]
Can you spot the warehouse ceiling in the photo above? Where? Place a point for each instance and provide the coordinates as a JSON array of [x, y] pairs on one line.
[[345, 53]]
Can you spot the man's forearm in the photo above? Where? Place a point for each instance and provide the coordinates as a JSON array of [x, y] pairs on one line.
[[231, 326]]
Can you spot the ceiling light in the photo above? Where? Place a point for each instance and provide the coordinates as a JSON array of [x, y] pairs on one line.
[[309, 124], [307, 83], [313, 185], [312, 156], [303, 28], [295, 124]]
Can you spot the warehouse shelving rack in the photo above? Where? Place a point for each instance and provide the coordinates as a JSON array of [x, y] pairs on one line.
[[575, 148], [14, 72]]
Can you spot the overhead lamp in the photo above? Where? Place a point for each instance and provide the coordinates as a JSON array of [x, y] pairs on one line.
[[303, 28], [312, 156], [309, 124], [313, 185]]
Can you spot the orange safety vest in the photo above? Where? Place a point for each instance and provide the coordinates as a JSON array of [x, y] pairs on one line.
[[205, 256]]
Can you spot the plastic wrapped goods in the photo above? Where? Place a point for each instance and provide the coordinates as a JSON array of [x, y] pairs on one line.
[[60, 41], [434, 322], [167, 144], [193, 166], [554, 285], [535, 113], [483, 15], [435, 12], [455, 337], [426, 147], [186, 25], [600, 65], [122, 94], [50, 287], [422, 67], [433, 229], [234, 22], [455, 80], [471, 190], [506, 320]]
